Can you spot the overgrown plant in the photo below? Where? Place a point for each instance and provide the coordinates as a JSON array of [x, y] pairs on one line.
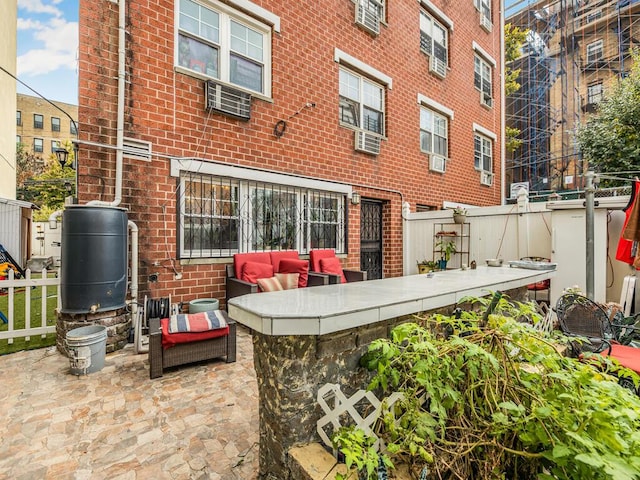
[[488, 397]]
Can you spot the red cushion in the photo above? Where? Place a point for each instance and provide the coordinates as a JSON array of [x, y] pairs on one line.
[[277, 256], [171, 339], [252, 271], [627, 356], [316, 255], [239, 259], [332, 265], [290, 265]]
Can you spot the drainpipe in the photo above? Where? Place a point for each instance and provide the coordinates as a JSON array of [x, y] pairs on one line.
[[589, 194], [134, 269], [120, 111], [53, 219]]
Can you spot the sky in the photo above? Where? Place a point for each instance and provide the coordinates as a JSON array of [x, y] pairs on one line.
[[48, 48]]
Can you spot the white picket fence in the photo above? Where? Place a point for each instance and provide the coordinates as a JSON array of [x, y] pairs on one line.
[[32, 288]]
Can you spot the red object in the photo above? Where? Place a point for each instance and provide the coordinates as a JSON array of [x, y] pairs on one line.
[[279, 255], [623, 252], [316, 255], [332, 265], [628, 357], [171, 339], [239, 259], [290, 265], [252, 271]]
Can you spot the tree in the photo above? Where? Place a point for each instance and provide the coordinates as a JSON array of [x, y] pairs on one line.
[[514, 38], [610, 139]]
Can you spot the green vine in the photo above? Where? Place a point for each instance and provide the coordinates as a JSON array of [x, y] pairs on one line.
[[488, 397]]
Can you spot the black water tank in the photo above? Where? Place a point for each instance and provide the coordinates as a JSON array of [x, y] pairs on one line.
[[93, 259]]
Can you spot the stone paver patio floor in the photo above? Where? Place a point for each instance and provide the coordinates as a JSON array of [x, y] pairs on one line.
[[199, 421]]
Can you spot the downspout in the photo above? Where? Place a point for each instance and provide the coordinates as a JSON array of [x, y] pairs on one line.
[[120, 111], [503, 111], [134, 270]]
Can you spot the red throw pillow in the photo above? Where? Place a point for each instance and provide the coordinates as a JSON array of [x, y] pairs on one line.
[[332, 265], [291, 265], [252, 271]]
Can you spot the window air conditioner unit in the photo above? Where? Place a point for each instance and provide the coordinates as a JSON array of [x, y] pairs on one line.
[[368, 18], [367, 142], [437, 66], [486, 178], [485, 22], [227, 100], [486, 99], [437, 163]]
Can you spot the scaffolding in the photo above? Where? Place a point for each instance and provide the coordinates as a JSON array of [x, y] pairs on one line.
[[574, 52]]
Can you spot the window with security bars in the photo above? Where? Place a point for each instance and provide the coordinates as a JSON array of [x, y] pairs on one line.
[[433, 37], [361, 102], [482, 76], [222, 216]]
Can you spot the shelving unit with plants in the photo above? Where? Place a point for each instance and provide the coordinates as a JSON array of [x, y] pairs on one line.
[[451, 238]]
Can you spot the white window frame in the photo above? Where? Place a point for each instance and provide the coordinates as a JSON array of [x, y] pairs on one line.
[[595, 93], [227, 15], [245, 181], [430, 21], [480, 68], [435, 130], [381, 4], [595, 50], [594, 15], [357, 101], [485, 154], [484, 7]]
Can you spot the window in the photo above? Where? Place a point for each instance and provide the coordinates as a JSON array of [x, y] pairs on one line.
[[484, 7], [38, 121], [19, 118], [361, 102], [55, 144], [18, 139], [221, 43], [38, 145], [433, 39], [482, 73], [594, 51], [73, 129], [220, 216], [433, 132], [595, 93], [482, 153], [55, 124], [593, 16]]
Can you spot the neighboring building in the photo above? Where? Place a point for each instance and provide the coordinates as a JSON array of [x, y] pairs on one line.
[[576, 51], [272, 124], [40, 127], [8, 27]]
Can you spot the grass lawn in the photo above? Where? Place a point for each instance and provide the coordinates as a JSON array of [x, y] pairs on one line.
[[36, 341]]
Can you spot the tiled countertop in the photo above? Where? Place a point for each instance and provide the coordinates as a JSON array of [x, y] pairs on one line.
[[331, 308]]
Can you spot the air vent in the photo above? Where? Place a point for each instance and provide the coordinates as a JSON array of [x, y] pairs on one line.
[[136, 149], [367, 142], [437, 163], [227, 100], [486, 99], [368, 16], [485, 22], [486, 178], [438, 66]]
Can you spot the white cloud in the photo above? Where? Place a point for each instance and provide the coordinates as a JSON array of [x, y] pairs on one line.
[[37, 6], [55, 46], [29, 24]]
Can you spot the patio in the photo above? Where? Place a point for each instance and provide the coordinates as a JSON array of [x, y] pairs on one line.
[[196, 422]]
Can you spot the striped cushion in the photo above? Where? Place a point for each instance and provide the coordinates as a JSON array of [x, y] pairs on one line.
[[270, 284], [288, 280]]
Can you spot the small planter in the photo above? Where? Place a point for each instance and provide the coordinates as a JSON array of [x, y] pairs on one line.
[[442, 264], [424, 268], [459, 218]]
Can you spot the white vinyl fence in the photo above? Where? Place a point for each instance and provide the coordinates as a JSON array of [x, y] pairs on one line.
[[34, 288]]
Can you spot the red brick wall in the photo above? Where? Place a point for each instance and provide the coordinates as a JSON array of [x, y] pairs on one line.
[[167, 108]]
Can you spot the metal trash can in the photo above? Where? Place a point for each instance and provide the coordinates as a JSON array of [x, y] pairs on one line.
[[87, 347], [203, 305]]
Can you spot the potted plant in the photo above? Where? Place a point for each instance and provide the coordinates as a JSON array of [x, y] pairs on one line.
[[446, 249], [426, 266], [459, 215]]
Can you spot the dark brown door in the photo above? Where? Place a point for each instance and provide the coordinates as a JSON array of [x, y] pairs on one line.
[[371, 238]]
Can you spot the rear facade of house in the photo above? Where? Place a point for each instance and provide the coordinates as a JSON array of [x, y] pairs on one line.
[[270, 124]]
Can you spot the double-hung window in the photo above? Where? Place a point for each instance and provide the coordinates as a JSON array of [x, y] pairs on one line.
[[433, 132], [484, 7], [55, 144], [55, 124], [220, 216], [73, 129], [434, 41], [361, 102], [594, 51], [38, 121], [595, 94], [38, 145], [482, 77], [219, 42], [18, 118], [482, 153]]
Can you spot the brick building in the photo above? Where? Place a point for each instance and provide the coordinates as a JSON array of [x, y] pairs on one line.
[[41, 127], [271, 124]]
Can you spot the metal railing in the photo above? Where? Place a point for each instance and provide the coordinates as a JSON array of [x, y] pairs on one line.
[[31, 287]]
